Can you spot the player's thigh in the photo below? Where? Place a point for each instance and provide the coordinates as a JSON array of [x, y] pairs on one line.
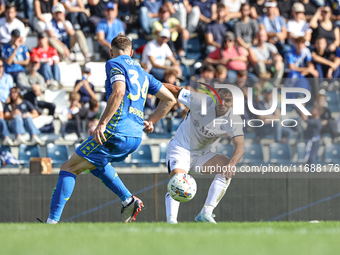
[[216, 163], [177, 171], [178, 159], [77, 164]]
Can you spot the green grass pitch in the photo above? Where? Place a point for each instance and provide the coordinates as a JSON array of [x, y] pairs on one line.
[[274, 238]]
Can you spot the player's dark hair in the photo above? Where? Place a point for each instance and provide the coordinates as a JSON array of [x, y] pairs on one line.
[[300, 40], [243, 5], [121, 42], [10, 5], [220, 6], [242, 73], [93, 104], [209, 68]]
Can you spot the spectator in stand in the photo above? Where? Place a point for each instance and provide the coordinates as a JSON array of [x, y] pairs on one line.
[[9, 23], [6, 83], [298, 27], [242, 79], [31, 77], [107, 29], [179, 9], [20, 114], [77, 14], [233, 8], [15, 55], [300, 64], [221, 73], [96, 109], [2, 7], [310, 9], [63, 37], [275, 27], [4, 132], [322, 25], [77, 113], [285, 8], [148, 13], [49, 59], [265, 58], [230, 55], [178, 34], [326, 63], [43, 14], [246, 29], [156, 52], [203, 12], [206, 75], [84, 87], [257, 8], [97, 8], [216, 30], [334, 5]]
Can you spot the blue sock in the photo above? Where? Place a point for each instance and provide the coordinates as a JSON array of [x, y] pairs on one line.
[[110, 178], [61, 193]]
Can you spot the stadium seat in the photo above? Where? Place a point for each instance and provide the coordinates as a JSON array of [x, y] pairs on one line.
[[27, 152], [160, 130], [225, 149], [332, 154], [69, 74], [58, 153], [58, 97], [253, 154], [163, 148], [194, 49], [280, 153], [301, 147], [333, 101], [175, 122], [98, 76], [142, 156]]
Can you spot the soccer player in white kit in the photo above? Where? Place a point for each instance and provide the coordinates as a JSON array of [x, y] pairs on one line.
[[193, 145]]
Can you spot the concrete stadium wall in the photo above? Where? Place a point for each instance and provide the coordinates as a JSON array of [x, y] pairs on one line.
[[249, 198]]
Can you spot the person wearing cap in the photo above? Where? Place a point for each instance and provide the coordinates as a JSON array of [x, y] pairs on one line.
[[15, 55], [107, 29], [9, 23], [156, 52], [216, 29], [148, 13], [178, 33], [42, 14], [62, 36], [230, 55], [322, 25], [49, 59], [84, 87], [275, 26], [298, 27], [31, 77], [97, 8], [77, 14], [264, 57]]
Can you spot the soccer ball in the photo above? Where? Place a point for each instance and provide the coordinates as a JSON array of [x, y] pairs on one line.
[[182, 187]]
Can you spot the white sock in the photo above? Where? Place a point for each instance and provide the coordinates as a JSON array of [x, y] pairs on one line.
[[50, 221], [216, 192], [171, 208], [127, 201]]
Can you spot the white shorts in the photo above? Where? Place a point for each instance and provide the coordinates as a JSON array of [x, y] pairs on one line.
[[178, 157]]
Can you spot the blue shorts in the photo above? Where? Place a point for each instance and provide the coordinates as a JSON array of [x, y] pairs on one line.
[[115, 149]]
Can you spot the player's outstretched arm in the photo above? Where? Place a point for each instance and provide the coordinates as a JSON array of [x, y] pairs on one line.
[[164, 106], [238, 142], [115, 99], [173, 89]]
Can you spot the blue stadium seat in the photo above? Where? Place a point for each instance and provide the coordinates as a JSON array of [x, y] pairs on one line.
[[137, 43], [253, 154], [160, 130], [333, 101], [175, 122], [58, 153], [280, 153], [225, 149], [163, 148], [26, 152], [142, 156], [332, 154], [194, 49], [301, 151]]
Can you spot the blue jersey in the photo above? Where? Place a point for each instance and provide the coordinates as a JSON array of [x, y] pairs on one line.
[[129, 118], [21, 55]]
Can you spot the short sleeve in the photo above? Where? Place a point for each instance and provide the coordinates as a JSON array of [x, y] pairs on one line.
[[191, 99], [241, 51], [69, 24], [289, 58], [237, 29], [6, 109], [30, 106], [3, 52], [309, 56], [283, 21], [114, 72], [25, 53], [100, 27], [215, 54], [272, 48], [154, 84], [209, 29], [168, 52], [237, 128]]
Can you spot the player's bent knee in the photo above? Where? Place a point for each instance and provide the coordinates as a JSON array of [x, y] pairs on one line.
[[177, 171]]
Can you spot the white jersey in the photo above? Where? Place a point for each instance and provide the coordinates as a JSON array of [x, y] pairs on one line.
[[200, 133]]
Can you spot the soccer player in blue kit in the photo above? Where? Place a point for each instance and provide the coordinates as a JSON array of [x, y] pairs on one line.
[[119, 131]]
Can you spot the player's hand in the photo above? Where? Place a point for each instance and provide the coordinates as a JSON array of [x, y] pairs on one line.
[[148, 126], [98, 134], [231, 168]]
